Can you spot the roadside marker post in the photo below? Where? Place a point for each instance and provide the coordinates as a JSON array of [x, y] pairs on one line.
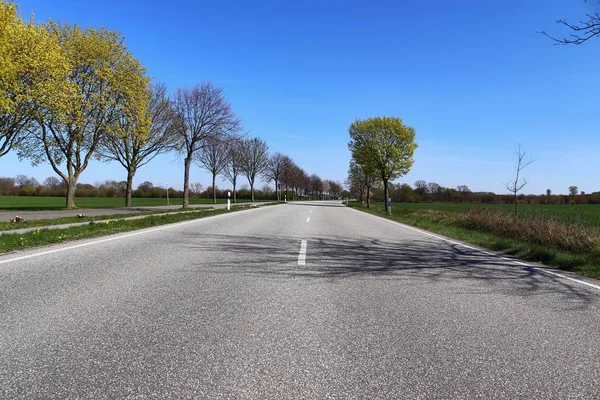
[[285, 198], [228, 200]]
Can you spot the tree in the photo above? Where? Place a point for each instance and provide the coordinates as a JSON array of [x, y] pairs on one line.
[[33, 71], [146, 186], [316, 185], [196, 188], [52, 182], [213, 157], [335, 188], [199, 114], [463, 189], [573, 191], [421, 187], [142, 130], [360, 180], [101, 73], [434, 188], [274, 170], [517, 184], [23, 181], [581, 32], [385, 145], [233, 166], [548, 192], [255, 159]]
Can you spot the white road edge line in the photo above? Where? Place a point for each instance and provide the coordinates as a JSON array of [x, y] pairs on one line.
[[120, 236], [444, 239], [308, 219], [302, 254]]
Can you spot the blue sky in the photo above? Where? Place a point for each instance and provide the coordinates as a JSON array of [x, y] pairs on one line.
[[473, 77]]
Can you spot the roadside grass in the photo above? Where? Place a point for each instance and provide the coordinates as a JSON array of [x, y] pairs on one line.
[[42, 237], [39, 203], [33, 223], [579, 252]]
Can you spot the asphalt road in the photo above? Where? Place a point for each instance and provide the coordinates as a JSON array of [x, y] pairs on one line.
[[307, 300]]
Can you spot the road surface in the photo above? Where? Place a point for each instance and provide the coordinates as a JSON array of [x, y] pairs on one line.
[[304, 300]]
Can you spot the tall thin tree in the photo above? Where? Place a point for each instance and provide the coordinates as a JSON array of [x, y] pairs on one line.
[[213, 157], [199, 114], [255, 158]]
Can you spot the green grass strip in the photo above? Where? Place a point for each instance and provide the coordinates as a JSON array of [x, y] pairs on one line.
[[587, 264]]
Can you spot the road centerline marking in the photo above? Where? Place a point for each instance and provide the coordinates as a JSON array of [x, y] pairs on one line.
[[302, 254]]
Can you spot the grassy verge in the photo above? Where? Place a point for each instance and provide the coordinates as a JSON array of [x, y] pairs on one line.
[[550, 249], [42, 237], [33, 223]]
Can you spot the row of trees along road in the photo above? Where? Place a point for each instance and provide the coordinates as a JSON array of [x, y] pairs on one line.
[[382, 151], [69, 94]]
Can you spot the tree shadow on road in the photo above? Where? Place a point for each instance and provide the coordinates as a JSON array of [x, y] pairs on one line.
[[416, 261]]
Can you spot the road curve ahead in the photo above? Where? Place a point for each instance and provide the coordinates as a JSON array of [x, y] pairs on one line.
[[304, 300]]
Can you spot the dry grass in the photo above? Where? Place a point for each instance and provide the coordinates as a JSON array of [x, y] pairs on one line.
[[535, 228]]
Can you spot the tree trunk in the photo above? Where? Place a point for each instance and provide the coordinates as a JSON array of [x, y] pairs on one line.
[[128, 189], [234, 197], [71, 186], [186, 181], [214, 191], [368, 197], [277, 191], [252, 191], [386, 196]]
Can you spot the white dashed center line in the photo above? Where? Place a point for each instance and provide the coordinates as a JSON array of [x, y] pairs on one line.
[[302, 254]]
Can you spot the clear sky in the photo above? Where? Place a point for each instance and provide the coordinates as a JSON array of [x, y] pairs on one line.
[[473, 77]]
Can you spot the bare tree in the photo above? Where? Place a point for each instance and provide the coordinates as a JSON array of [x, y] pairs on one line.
[[274, 170], [233, 166], [421, 187], [518, 183], [200, 113], [196, 188], [316, 185], [213, 157], [52, 182], [255, 159], [581, 32], [134, 146], [287, 171]]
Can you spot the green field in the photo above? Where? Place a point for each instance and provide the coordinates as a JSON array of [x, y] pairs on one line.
[[33, 203], [586, 214]]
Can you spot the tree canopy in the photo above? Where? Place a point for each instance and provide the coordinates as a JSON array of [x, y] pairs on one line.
[[383, 144]]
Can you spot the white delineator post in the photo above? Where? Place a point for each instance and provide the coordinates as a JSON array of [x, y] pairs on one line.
[[285, 198], [228, 201], [167, 193]]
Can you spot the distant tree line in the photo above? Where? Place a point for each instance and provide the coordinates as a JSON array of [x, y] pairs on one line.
[[298, 187], [423, 192], [70, 94]]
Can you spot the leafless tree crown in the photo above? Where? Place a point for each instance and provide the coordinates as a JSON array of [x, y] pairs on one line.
[[581, 32]]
